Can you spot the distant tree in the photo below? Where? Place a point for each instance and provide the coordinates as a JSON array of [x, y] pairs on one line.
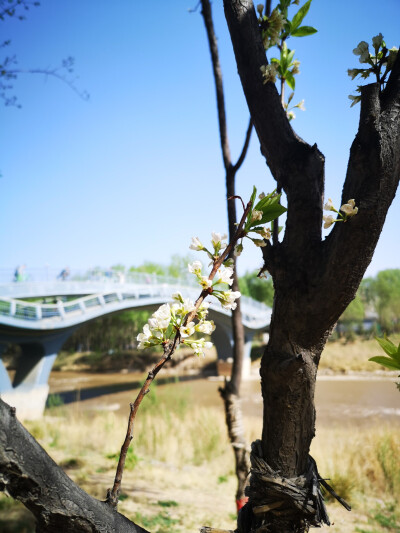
[[355, 311], [385, 293], [9, 66], [259, 288], [111, 332], [178, 265]]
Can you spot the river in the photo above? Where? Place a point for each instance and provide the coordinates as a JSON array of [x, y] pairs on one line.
[[340, 400]]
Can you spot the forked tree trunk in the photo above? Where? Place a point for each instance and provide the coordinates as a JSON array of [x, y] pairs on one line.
[[314, 279]]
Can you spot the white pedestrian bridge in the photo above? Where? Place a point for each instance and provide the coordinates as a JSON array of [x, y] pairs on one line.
[[41, 312]]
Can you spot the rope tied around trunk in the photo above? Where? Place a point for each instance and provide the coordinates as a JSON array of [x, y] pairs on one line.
[[297, 499]]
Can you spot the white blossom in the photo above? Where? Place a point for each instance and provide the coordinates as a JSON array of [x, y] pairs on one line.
[[195, 267], [377, 41], [264, 232], [217, 239], [145, 336], [362, 50], [207, 327], [269, 72], [228, 298], [205, 282], [329, 220], [392, 57], [301, 105], [202, 311], [196, 244], [225, 276], [256, 215], [329, 205], [259, 242], [349, 208], [187, 331], [163, 316], [198, 346]]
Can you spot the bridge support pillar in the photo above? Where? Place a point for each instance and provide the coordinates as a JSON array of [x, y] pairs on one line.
[[5, 383], [29, 389], [222, 338]]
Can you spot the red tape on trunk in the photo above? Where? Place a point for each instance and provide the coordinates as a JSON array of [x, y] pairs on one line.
[[241, 503]]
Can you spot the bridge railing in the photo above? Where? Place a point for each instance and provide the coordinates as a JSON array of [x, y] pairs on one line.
[[62, 308], [24, 274]]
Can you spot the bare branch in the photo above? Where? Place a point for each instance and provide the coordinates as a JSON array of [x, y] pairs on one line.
[[55, 73], [212, 41], [245, 147], [169, 349]]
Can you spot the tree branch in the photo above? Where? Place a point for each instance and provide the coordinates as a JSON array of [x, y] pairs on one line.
[[52, 72], [219, 90], [246, 143], [29, 475], [169, 349], [391, 93], [372, 179], [296, 166]]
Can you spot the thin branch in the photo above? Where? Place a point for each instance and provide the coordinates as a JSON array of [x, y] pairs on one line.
[[169, 349], [54, 72], [245, 147], [12, 6], [212, 41]]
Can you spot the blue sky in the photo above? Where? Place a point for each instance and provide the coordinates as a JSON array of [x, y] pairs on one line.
[[133, 173]]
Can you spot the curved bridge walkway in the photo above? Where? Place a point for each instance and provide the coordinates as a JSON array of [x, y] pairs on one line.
[[41, 328]]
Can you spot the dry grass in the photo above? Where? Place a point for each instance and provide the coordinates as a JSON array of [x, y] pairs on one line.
[[180, 473], [343, 356]]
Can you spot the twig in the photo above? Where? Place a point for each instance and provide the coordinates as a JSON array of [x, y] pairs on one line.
[[169, 349]]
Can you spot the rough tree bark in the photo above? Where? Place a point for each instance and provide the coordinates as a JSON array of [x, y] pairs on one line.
[[29, 475], [314, 280], [230, 393]]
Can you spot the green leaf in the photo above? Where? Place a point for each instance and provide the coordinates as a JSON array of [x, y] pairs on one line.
[[303, 31], [387, 346], [290, 57], [385, 361], [272, 213], [299, 16], [252, 199], [253, 196], [266, 200], [290, 80]]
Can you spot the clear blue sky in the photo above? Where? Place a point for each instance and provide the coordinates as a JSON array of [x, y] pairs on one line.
[[133, 173]]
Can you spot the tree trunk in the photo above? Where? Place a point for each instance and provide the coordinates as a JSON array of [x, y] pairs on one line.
[[314, 279], [230, 393], [29, 475]]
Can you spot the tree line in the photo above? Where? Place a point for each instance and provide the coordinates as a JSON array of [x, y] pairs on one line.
[[377, 298]]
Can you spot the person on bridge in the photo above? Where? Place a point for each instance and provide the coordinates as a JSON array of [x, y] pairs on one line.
[[64, 274], [19, 274]]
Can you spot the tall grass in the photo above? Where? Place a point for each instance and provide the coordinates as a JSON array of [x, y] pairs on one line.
[[180, 452], [360, 461]]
